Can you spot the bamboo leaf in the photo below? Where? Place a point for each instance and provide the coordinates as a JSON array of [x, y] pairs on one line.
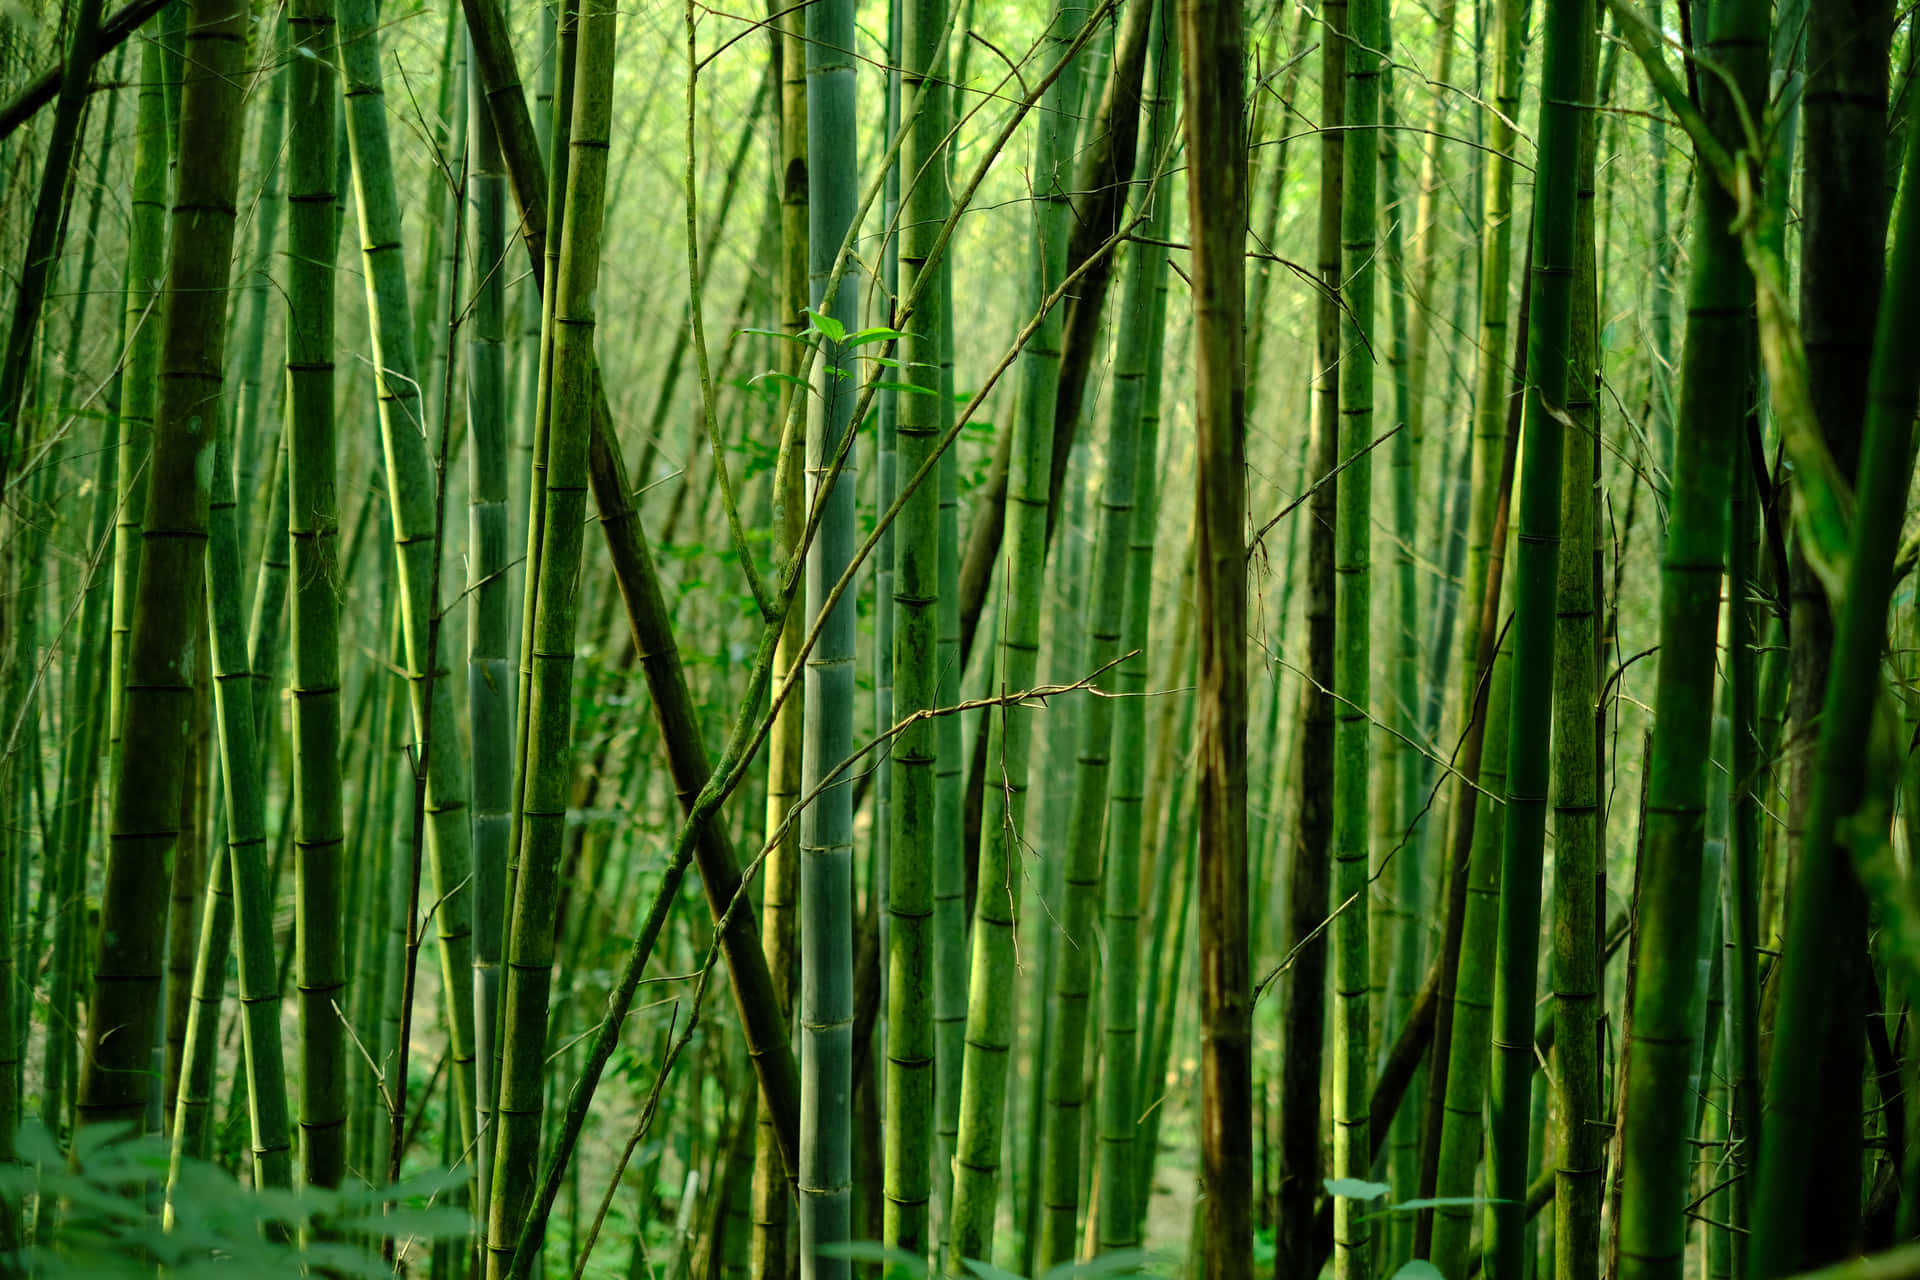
[[875, 333], [821, 322], [1355, 1188]]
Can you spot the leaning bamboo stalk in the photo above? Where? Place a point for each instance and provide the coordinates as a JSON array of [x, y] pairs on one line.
[[990, 1006], [700, 783], [548, 768], [647, 612], [244, 866], [148, 774], [410, 484]]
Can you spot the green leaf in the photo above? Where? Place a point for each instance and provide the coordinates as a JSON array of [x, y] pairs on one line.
[[987, 1271], [781, 334], [1441, 1202], [1123, 1261], [869, 1251], [878, 333], [442, 1222], [1418, 1269], [775, 375], [1356, 1189], [821, 322]]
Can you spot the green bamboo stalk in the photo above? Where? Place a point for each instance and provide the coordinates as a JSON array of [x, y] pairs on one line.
[[397, 863], [1399, 829], [1101, 156], [1067, 1071], [826, 825], [250, 309], [949, 839], [411, 487], [185, 888], [1309, 854], [1469, 1052], [1215, 56], [545, 253], [1112, 755], [489, 595], [915, 656], [528, 355], [1353, 627], [1712, 391], [1847, 810], [699, 790], [549, 762], [104, 153], [1386, 869], [39, 261], [1260, 286], [1421, 263], [1569, 29], [192, 1101], [1539, 1235], [64, 880], [374, 909], [1491, 375], [1025, 1145], [977, 1156], [1173, 895], [773, 1236], [313, 523], [1749, 780], [1579, 870], [879, 851], [1137, 380], [146, 249], [689, 764], [445, 125], [243, 866], [265, 634], [1661, 326], [115, 1083], [1842, 241], [42, 252], [69, 813], [1492, 370]]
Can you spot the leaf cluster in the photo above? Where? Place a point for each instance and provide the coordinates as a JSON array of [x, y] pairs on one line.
[[99, 1215]]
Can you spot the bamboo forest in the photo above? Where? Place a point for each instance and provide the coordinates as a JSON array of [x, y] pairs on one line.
[[877, 639]]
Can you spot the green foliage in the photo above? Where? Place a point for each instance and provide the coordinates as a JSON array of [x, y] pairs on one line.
[[97, 1215], [901, 1265]]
